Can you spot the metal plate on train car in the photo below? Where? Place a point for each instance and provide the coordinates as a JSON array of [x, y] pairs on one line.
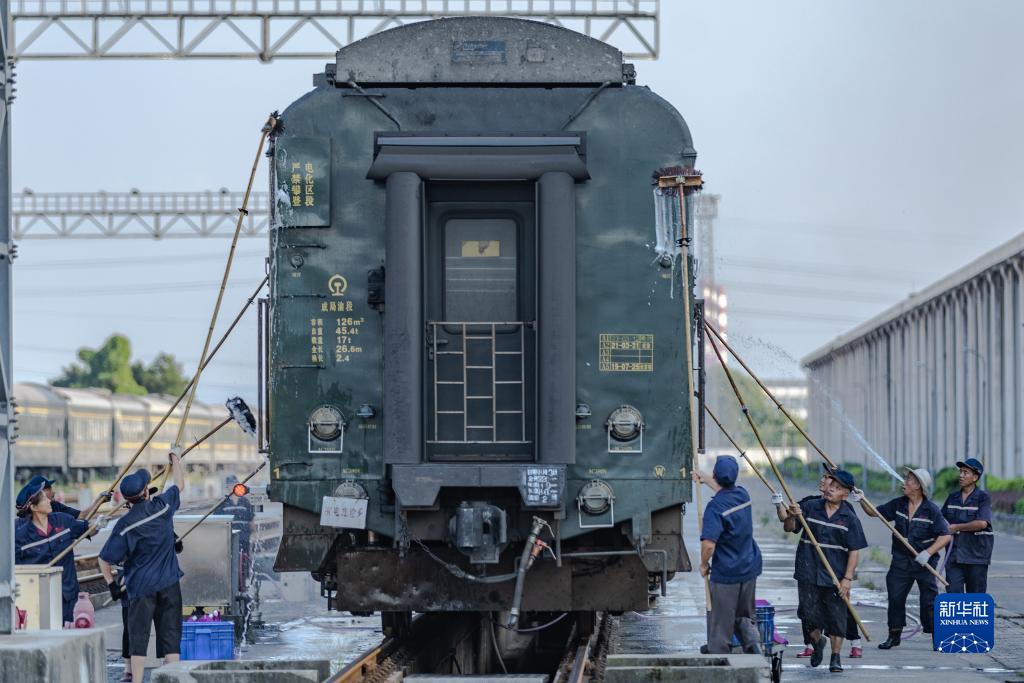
[[344, 513], [303, 172]]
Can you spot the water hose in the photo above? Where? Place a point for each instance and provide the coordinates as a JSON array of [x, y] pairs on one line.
[[531, 549]]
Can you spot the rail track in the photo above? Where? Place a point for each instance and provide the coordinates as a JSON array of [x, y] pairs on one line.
[[466, 644]]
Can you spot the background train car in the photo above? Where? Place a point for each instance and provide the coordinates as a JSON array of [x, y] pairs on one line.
[[42, 429], [201, 419], [131, 426], [90, 429], [156, 407]]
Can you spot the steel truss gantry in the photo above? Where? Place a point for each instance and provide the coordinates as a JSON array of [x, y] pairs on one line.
[[6, 406], [134, 215], [295, 29]]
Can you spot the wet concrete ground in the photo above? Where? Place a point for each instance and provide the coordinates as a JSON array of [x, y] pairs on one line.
[[299, 625], [677, 623]]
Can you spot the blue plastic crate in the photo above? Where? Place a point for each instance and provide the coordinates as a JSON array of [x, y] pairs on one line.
[[207, 640], [766, 626]]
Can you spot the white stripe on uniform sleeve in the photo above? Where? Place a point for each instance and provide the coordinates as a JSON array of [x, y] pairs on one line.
[[142, 521], [736, 508]]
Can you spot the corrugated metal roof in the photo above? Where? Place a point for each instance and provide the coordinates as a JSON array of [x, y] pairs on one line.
[[988, 261]]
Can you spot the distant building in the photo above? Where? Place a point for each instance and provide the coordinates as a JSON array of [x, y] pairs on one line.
[[934, 379]]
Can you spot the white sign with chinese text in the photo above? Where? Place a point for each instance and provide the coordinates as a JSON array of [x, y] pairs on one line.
[[344, 513]]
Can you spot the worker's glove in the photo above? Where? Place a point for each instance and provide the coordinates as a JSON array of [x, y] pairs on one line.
[[776, 499], [923, 557], [856, 496], [115, 590]]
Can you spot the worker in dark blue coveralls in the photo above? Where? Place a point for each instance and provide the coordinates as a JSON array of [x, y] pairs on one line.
[[839, 533], [969, 514], [48, 490], [920, 521], [143, 540], [805, 554], [40, 534], [242, 525], [729, 554]]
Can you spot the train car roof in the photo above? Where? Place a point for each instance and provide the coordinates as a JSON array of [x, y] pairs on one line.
[[31, 392], [127, 402], [478, 51], [86, 398]]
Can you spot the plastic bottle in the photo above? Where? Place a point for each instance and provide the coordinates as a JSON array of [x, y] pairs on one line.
[[85, 615]]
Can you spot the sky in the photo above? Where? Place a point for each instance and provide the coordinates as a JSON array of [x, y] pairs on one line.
[[863, 149]]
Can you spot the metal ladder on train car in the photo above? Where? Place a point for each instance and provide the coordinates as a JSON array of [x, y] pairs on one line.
[[471, 332]]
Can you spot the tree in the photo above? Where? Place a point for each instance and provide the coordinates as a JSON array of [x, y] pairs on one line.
[[775, 429], [162, 376], [110, 367]]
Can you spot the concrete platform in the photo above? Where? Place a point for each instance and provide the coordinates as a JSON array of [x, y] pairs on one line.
[[275, 671], [687, 667], [72, 656]]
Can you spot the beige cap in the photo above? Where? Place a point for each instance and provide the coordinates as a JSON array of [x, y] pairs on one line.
[[922, 475]]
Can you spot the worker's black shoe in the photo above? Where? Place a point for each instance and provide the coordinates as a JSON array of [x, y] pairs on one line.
[[893, 640], [835, 665], [819, 651]]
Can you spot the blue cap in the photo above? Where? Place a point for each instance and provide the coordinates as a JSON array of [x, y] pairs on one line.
[[843, 478], [972, 464], [726, 470], [40, 478], [828, 468], [28, 492], [134, 484]]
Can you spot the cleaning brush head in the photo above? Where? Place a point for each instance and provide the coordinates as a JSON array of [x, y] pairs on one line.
[[241, 414]]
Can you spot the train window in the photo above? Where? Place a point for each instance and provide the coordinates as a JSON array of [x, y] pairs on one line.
[[480, 270]]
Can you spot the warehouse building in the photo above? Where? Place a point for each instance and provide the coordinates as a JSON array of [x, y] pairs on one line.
[[936, 378]]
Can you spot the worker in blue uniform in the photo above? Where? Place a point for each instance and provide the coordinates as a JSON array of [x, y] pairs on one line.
[[920, 521], [969, 514], [841, 537], [730, 557], [48, 490], [242, 525], [40, 534], [143, 540], [804, 555]]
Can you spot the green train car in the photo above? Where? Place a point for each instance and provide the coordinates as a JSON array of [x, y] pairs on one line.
[[476, 335]]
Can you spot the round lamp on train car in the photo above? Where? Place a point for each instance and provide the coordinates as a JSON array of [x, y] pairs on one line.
[[625, 423], [326, 422], [239, 490]]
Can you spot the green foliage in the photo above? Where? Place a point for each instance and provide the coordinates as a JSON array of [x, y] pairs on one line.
[[994, 483], [1018, 507], [946, 481], [773, 426], [109, 367], [162, 376]]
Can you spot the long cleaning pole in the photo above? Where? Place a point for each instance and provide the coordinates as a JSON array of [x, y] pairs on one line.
[[93, 528], [742, 452], [688, 323], [109, 492], [214, 508], [789, 495], [268, 127], [874, 511]]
